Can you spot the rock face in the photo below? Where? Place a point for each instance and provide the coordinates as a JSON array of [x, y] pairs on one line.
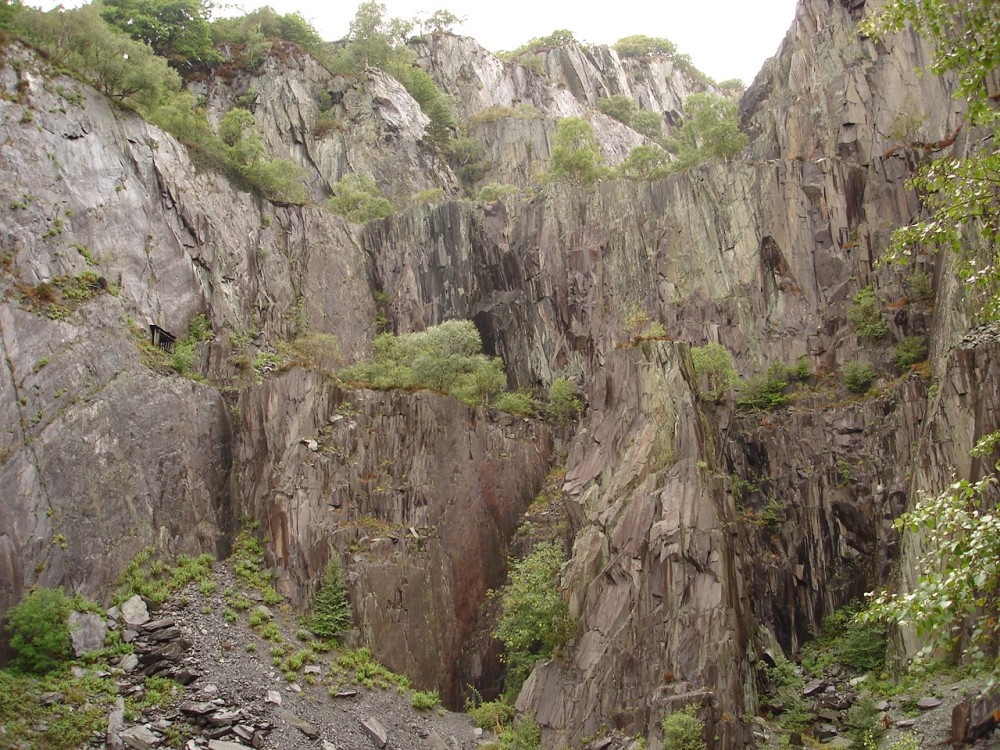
[[694, 529]]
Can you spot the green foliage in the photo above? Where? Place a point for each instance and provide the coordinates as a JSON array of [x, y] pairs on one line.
[[557, 38], [562, 406], [710, 131], [683, 730], [8, 12], [640, 45], [124, 69], [865, 316], [278, 180], [624, 109], [785, 690], [953, 604], [316, 351], [765, 391], [255, 31], [858, 376], [357, 198], [247, 563], [909, 351], [466, 157], [713, 366], [439, 22], [576, 157], [534, 620], [519, 403], [432, 100], [67, 724], [176, 29], [646, 163], [522, 734], [848, 641], [447, 358], [493, 716], [495, 191], [359, 667], [332, 614], [183, 353], [424, 701], [39, 631], [961, 195], [155, 580]]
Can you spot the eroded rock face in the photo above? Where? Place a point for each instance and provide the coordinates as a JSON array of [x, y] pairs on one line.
[[418, 493]]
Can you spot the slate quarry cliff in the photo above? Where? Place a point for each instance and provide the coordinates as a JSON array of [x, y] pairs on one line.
[[420, 495]]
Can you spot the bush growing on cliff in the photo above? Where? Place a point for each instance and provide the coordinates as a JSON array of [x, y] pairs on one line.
[[683, 730], [858, 376], [953, 604], [909, 351], [357, 198], [710, 131], [563, 406], [865, 317], [576, 157], [624, 109], [640, 45], [534, 621], [39, 631], [646, 163], [713, 365]]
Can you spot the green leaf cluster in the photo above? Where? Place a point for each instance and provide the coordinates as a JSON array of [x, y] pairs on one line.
[[857, 375], [39, 631], [910, 351], [332, 614], [714, 368], [557, 38], [563, 406], [534, 620], [865, 316], [446, 357], [177, 30], [357, 198], [576, 157], [683, 730], [710, 131], [640, 45], [953, 605], [624, 109]]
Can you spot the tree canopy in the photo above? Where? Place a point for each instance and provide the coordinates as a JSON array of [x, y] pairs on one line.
[[176, 29], [710, 131]]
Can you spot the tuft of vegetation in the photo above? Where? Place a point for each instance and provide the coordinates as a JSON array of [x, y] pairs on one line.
[[713, 366], [557, 38], [683, 730], [576, 157], [640, 45], [424, 701], [447, 358], [39, 631], [522, 734], [153, 579], [493, 716], [865, 317], [358, 667], [357, 198], [847, 640], [953, 604], [316, 351], [910, 351], [624, 109], [519, 403], [646, 163], [332, 614], [710, 131], [183, 354], [858, 376], [534, 621], [562, 406], [784, 691], [496, 191]]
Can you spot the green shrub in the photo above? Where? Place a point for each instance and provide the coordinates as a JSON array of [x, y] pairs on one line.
[[182, 355], [424, 701], [858, 376], [863, 722], [920, 285], [646, 163], [493, 716], [846, 639], [785, 690], [624, 109], [430, 195], [710, 131], [562, 406], [39, 631], [519, 403], [576, 157], [495, 191], [865, 317], [523, 734], [357, 198], [713, 365], [683, 730], [534, 620], [316, 351], [332, 614], [765, 391], [909, 351], [640, 45], [557, 38]]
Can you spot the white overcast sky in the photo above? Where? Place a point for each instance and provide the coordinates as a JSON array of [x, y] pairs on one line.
[[725, 38]]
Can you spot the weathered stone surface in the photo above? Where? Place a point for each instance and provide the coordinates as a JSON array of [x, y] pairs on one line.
[[309, 730], [116, 725], [375, 731], [86, 631], [140, 738], [134, 611], [976, 716], [928, 702]]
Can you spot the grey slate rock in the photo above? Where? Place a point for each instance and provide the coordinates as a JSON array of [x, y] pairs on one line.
[[135, 612], [374, 729], [309, 730], [928, 702], [140, 738], [86, 631]]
